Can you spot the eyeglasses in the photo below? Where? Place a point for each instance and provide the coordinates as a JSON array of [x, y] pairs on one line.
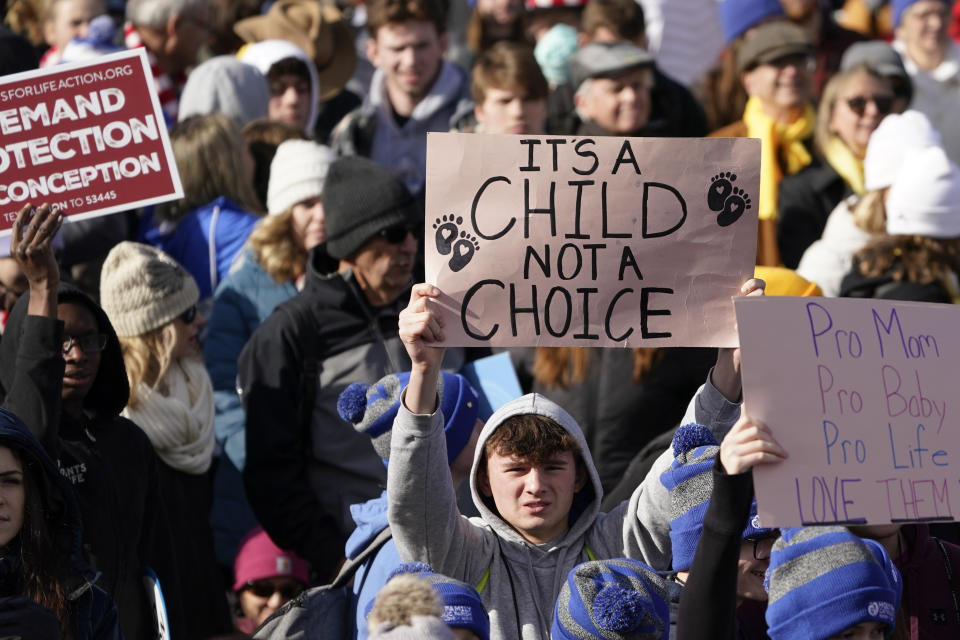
[[858, 104], [93, 343], [395, 234], [189, 315], [761, 547], [266, 588]]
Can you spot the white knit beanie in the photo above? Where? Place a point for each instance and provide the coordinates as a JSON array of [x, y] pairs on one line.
[[897, 133], [297, 173], [142, 288], [924, 198]]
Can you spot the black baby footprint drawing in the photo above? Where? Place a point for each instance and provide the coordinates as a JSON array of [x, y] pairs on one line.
[[721, 185], [463, 251], [733, 208], [447, 228]]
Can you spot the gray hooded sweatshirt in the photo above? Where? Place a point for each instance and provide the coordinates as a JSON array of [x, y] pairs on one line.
[[520, 580]]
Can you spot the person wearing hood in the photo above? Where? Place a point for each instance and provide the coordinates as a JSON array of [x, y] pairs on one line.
[[413, 91], [533, 481], [291, 78], [107, 459], [47, 590]]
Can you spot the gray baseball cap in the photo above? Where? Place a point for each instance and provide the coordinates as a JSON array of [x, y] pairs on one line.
[[771, 41], [606, 59], [877, 55]]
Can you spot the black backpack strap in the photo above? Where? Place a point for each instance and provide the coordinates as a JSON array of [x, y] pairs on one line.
[[350, 566]]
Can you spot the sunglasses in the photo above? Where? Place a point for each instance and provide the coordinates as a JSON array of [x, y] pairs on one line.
[[265, 589], [396, 234], [858, 104], [189, 315], [93, 343]]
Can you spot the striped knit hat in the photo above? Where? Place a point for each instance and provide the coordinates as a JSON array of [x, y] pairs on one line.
[[142, 288], [823, 580], [690, 482], [619, 598], [372, 409]]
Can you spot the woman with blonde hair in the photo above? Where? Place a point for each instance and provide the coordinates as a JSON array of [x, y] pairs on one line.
[[206, 229], [853, 104], [270, 271], [151, 301], [858, 219]]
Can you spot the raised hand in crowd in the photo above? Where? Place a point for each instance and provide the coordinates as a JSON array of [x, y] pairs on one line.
[[32, 248], [726, 374], [749, 443], [420, 327]]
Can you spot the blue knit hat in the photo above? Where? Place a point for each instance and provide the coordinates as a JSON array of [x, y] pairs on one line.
[[823, 580], [372, 409], [754, 529], [690, 482], [736, 16], [619, 598], [899, 6], [462, 607]]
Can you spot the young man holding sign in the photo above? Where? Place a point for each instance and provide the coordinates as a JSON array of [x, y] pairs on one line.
[[533, 482]]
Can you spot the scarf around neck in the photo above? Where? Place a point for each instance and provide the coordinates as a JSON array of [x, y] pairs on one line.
[[844, 162], [777, 141], [179, 423]]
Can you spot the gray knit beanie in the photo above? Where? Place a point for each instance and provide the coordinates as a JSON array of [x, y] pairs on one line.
[[360, 199], [297, 173], [142, 288]]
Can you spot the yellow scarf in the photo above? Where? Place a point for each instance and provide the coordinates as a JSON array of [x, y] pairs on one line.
[[844, 162], [777, 141]]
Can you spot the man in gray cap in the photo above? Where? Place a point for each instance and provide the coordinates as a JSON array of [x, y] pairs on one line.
[[305, 465], [883, 59], [613, 82], [775, 63]]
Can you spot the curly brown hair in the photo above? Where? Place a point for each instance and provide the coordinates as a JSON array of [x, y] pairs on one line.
[[917, 259], [531, 437]]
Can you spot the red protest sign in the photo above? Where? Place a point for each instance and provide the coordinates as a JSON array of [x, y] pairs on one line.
[[87, 137]]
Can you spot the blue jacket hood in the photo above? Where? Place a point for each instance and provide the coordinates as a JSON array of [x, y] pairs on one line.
[[371, 519]]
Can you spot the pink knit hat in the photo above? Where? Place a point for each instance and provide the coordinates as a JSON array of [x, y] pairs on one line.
[[260, 558]]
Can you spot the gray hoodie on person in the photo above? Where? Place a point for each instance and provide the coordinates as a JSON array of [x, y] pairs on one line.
[[519, 581]]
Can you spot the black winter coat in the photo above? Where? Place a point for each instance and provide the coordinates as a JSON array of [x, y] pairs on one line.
[[108, 460], [805, 201]]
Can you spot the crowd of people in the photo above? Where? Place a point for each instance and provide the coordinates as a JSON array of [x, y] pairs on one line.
[[211, 404]]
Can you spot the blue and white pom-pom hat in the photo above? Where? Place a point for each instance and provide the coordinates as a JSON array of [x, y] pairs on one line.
[[373, 408], [612, 599]]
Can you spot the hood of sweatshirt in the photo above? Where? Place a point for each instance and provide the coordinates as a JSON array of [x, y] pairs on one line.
[[586, 502], [266, 53], [110, 391], [59, 505], [447, 92]]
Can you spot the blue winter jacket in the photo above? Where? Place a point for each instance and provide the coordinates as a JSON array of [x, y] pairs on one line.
[[241, 303], [371, 519], [188, 240]]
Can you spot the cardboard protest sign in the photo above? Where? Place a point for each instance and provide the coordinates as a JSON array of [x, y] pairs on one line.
[[859, 393], [87, 137], [545, 240]]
